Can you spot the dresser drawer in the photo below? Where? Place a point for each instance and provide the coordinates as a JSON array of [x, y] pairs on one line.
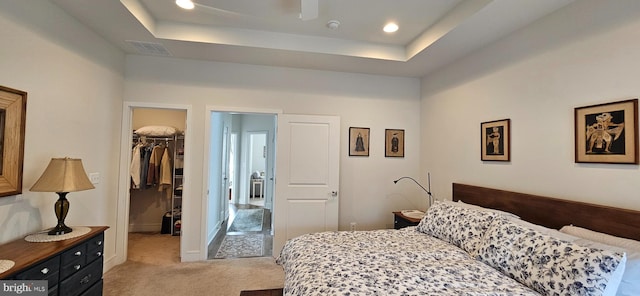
[[95, 248], [96, 243], [95, 290], [82, 280], [74, 254], [53, 291], [47, 270], [72, 267]]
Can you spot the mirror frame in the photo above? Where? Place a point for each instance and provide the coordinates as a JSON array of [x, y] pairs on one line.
[[14, 102]]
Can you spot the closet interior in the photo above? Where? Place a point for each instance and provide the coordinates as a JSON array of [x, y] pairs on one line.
[[157, 165], [156, 170]]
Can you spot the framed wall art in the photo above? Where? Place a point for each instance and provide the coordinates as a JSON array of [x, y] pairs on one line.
[[495, 140], [13, 110], [358, 141], [393, 143], [607, 133]]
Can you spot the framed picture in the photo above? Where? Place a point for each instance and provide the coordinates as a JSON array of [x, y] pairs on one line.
[[358, 141], [607, 133], [393, 143], [13, 109], [495, 140]]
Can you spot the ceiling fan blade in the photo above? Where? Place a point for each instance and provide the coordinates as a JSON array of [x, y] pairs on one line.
[[308, 9]]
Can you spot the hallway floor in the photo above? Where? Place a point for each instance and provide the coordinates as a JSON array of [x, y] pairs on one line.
[[255, 203]]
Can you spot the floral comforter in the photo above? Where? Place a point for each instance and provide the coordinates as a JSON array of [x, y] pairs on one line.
[[387, 262]]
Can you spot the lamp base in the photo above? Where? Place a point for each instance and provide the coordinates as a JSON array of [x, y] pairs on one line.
[[60, 229], [61, 208]]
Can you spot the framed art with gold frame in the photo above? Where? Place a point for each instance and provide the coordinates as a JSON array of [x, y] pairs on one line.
[[359, 141], [13, 110], [394, 143], [607, 133], [496, 140]]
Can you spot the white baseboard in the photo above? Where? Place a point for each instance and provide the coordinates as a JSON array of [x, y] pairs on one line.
[[212, 234], [190, 256], [111, 262]]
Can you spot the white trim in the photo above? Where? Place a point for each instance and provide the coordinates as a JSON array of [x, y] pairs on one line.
[[211, 108]]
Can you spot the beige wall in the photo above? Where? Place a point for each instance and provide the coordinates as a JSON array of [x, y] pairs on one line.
[[585, 54], [368, 195], [74, 83], [153, 116]]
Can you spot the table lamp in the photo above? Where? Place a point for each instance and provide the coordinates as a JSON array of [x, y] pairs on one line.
[[63, 175]]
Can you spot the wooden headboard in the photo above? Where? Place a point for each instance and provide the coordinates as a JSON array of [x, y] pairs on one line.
[[553, 212]]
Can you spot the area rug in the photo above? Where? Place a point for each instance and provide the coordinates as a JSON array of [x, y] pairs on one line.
[[247, 220], [241, 246]]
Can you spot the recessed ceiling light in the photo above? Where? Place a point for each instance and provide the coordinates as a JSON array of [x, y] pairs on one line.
[[186, 4], [390, 28]]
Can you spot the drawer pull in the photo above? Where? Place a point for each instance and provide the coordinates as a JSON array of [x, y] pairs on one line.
[[99, 254], [85, 279], [78, 253], [77, 266], [99, 243], [44, 270]]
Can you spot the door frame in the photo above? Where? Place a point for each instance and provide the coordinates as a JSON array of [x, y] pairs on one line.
[[124, 179], [205, 171]]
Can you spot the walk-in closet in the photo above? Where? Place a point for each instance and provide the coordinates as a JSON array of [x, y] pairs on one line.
[[156, 173]]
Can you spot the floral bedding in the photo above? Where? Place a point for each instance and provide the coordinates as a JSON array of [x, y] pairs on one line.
[[387, 262]]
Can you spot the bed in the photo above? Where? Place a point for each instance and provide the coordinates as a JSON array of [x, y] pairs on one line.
[[484, 242]]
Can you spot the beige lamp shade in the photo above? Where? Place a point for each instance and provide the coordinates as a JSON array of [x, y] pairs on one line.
[[63, 175]]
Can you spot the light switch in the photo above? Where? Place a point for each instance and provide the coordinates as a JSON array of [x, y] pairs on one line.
[[94, 177]]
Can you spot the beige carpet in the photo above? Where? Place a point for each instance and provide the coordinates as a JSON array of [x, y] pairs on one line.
[[153, 268]]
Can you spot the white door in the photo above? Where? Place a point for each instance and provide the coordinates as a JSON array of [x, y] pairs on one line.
[[307, 176], [224, 186]]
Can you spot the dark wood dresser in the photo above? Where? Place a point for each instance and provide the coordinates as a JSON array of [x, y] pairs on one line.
[[73, 266]]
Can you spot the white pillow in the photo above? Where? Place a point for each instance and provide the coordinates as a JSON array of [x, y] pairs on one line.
[[479, 208], [156, 131], [601, 237], [548, 265], [630, 284]]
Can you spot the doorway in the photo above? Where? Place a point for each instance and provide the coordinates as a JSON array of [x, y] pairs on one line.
[[240, 201], [157, 165]]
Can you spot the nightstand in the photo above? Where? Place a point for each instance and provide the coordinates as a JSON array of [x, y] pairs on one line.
[[402, 221]]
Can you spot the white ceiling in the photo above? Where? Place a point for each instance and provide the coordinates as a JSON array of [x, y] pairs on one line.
[[270, 32]]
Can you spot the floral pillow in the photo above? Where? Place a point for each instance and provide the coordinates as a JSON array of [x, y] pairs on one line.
[[459, 226], [548, 265], [630, 283]]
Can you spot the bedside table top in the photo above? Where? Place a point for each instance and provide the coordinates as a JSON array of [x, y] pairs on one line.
[[399, 214]]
